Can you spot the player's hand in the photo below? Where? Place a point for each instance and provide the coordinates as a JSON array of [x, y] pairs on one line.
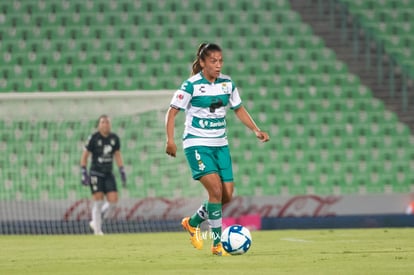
[[123, 176], [262, 136], [85, 177], [171, 149]]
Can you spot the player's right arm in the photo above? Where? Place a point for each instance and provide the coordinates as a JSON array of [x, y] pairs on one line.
[[84, 162], [87, 149], [84, 171], [179, 102], [171, 147]]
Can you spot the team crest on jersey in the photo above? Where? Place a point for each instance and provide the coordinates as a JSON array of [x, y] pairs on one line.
[[99, 142], [225, 88], [112, 142]]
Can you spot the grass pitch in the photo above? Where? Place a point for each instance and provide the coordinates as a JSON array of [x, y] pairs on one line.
[[349, 251]]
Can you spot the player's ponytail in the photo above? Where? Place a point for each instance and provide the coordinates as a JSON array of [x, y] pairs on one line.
[[203, 50]]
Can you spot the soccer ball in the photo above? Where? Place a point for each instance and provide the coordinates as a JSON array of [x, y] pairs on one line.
[[236, 239]]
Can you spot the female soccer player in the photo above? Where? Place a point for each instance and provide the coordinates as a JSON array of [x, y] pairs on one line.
[[205, 97], [104, 147]]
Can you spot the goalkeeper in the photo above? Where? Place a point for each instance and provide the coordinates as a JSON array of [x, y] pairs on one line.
[[104, 146]]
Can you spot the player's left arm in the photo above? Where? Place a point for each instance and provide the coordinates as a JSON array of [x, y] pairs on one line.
[[118, 158], [247, 120], [244, 116], [120, 163]]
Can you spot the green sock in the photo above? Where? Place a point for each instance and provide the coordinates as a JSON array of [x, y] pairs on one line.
[[214, 219], [199, 216]]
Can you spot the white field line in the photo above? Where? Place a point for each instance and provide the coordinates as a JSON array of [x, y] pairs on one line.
[[296, 240]]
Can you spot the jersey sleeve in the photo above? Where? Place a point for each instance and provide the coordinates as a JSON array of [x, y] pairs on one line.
[[89, 144], [235, 100], [182, 96], [117, 145]]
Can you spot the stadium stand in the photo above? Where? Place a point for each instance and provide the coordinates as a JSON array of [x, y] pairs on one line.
[[390, 22], [329, 135]]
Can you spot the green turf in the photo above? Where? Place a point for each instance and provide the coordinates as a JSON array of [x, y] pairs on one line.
[[365, 251]]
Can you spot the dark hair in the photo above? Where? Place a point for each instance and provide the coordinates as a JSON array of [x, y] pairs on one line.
[[99, 119], [202, 52]]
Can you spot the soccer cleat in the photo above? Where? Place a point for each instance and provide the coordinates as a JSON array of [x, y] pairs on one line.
[[219, 250], [195, 234], [92, 226]]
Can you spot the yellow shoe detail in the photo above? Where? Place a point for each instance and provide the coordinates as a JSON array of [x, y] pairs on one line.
[[219, 250], [195, 234]]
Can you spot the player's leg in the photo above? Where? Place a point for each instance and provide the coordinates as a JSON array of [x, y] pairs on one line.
[[112, 199], [105, 207], [202, 215], [96, 222], [226, 173], [214, 187], [111, 193], [97, 202], [225, 169], [201, 163], [223, 161], [212, 183]]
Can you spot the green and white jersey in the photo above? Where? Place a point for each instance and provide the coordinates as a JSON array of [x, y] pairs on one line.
[[205, 106]]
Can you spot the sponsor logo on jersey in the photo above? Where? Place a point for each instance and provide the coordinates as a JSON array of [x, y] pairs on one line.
[[212, 124], [180, 96], [184, 86], [105, 159], [209, 124], [107, 149]]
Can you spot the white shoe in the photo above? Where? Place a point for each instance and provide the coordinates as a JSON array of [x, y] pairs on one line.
[[92, 226]]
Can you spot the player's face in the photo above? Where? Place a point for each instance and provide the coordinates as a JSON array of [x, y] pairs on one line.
[[212, 65], [104, 126]]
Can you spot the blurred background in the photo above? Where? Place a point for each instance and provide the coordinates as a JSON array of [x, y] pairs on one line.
[[330, 80]]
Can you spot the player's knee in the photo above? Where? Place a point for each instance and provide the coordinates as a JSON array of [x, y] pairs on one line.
[[112, 197], [215, 193]]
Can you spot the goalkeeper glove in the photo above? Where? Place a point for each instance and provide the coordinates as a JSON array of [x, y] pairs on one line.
[[85, 177], [123, 176]]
